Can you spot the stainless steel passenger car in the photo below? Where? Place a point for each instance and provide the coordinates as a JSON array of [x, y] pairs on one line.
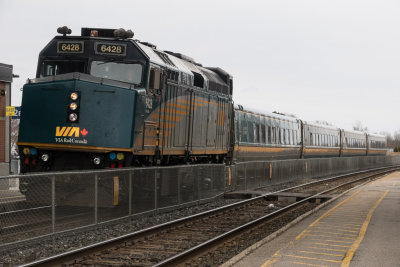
[[320, 140], [376, 144], [265, 136], [354, 143]]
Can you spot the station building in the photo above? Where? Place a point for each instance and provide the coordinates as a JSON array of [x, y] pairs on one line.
[[6, 76]]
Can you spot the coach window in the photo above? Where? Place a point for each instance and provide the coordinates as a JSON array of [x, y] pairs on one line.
[[279, 137], [237, 126], [243, 128], [263, 138], [256, 133], [287, 137], [273, 135], [250, 131]]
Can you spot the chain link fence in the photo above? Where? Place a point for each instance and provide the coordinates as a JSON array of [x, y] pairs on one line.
[[37, 205], [256, 174]]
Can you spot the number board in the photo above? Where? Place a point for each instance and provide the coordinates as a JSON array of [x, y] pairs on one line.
[[110, 49], [69, 47]]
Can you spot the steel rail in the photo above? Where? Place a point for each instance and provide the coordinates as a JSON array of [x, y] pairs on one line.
[[91, 249], [216, 241]]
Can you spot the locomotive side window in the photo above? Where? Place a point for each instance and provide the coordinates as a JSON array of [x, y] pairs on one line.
[[125, 72], [51, 68], [155, 79], [198, 80]]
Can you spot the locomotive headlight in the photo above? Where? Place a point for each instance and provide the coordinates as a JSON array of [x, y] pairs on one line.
[[97, 160], [73, 106], [73, 117], [45, 157], [74, 96]]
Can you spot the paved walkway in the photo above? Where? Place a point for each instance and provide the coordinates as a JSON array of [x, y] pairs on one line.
[[362, 228]]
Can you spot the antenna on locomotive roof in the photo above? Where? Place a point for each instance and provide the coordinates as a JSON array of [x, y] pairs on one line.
[[64, 30]]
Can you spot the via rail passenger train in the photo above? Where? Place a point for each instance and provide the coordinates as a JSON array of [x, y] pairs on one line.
[[104, 100]]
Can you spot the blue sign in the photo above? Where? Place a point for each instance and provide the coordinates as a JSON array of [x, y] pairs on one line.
[[17, 113]]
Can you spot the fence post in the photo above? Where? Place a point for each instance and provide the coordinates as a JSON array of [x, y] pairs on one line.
[[155, 191], [96, 190], [53, 204], [179, 187], [130, 192], [245, 176]]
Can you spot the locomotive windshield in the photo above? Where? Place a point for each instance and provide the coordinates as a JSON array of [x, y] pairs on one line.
[[50, 68], [120, 71]]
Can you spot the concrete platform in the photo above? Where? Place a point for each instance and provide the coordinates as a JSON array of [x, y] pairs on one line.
[[7, 196], [361, 228]]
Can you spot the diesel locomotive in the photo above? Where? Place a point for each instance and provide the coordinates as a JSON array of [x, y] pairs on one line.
[[104, 100]]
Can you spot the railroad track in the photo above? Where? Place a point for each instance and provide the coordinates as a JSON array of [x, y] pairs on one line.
[[208, 237]]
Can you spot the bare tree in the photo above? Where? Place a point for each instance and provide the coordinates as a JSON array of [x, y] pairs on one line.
[[357, 126]]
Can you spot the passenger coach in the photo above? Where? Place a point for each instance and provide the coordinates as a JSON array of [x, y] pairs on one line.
[[266, 136], [320, 140]]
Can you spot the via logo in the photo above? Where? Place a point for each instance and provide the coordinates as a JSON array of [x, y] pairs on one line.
[[70, 131]]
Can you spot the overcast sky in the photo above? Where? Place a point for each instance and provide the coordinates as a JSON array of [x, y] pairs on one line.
[[337, 61]]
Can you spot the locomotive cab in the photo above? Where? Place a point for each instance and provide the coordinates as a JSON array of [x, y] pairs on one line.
[[83, 99]]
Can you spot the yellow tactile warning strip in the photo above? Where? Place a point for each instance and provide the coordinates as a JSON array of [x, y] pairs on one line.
[[333, 238]]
